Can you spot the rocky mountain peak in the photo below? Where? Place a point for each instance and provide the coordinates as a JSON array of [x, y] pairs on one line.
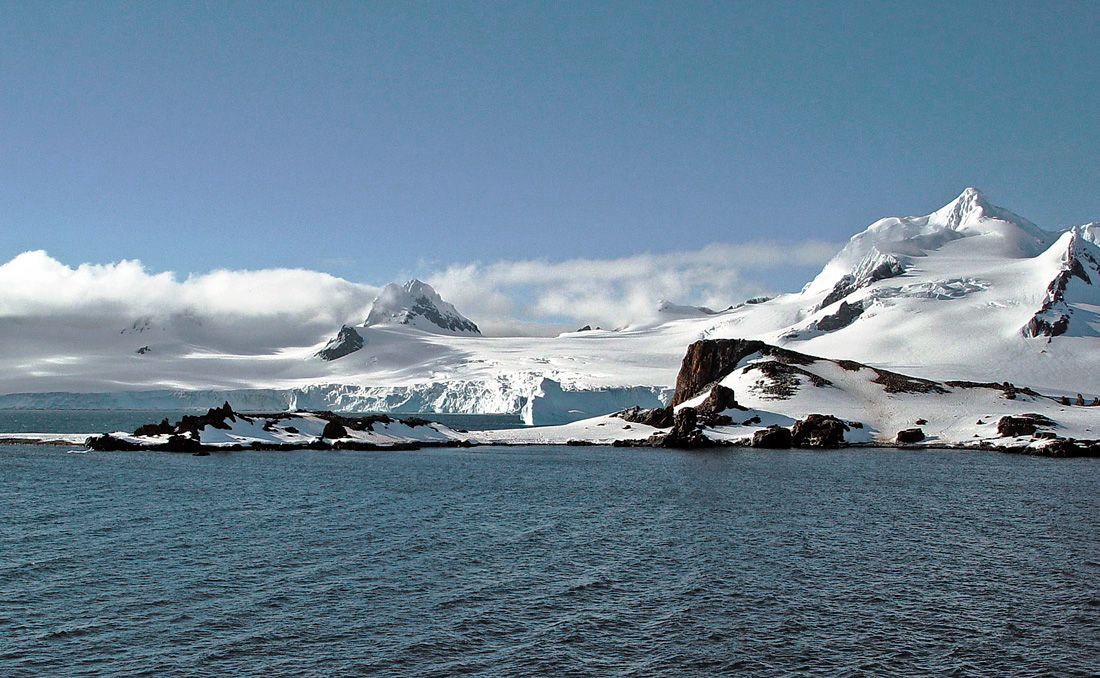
[[418, 305], [346, 341]]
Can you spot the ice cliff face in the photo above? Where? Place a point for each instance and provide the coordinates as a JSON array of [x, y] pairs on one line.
[[418, 305], [535, 399]]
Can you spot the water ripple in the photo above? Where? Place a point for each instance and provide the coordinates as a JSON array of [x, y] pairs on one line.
[[536, 562]]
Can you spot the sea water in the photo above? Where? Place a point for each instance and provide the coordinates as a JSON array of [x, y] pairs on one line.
[[547, 561]]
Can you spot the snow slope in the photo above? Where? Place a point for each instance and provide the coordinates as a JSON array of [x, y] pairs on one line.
[[778, 388], [949, 295], [970, 291]]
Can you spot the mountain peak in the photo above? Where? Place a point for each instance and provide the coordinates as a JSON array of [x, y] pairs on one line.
[[971, 206], [973, 197], [417, 304], [419, 288]]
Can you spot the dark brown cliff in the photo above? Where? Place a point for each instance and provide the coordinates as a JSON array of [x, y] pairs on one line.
[[709, 360]]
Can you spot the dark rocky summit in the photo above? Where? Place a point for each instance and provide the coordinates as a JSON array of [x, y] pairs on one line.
[[214, 418], [346, 342], [162, 428], [423, 306]]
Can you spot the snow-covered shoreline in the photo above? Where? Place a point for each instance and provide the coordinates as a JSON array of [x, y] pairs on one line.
[[729, 393]]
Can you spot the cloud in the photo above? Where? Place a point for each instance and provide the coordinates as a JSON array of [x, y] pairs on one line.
[[267, 309], [500, 296]]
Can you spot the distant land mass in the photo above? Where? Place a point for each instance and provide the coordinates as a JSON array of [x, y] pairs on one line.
[[968, 294]]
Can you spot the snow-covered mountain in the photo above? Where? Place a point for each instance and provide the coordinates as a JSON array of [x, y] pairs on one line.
[[418, 305], [968, 292]]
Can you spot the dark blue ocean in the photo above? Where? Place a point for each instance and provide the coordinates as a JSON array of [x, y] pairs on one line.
[[548, 562]]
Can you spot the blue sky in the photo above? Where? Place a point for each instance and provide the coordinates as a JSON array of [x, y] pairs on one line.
[[374, 141]]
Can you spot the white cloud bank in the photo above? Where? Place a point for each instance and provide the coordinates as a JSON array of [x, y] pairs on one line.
[[293, 307], [266, 308], [615, 292]]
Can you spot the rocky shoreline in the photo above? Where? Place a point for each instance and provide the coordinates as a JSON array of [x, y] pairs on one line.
[[729, 393]]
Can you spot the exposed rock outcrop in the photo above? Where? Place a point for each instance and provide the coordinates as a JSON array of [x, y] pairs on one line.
[[709, 360], [346, 342], [685, 433], [874, 267], [334, 430], [1012, 426], [773, 437], [720, 398], [657, 417], [163, 428], [909, 436], [845, 315], [1052, 318], [818, 430], [783, 379], [214, 418]]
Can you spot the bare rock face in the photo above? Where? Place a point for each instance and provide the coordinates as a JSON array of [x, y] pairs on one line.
[[1052, 318], [772, 437], [346, 341], [1046, 327], [909, 435], [709, 360], [685, 433], [163, 428], [1067, 447], [818, 430]]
